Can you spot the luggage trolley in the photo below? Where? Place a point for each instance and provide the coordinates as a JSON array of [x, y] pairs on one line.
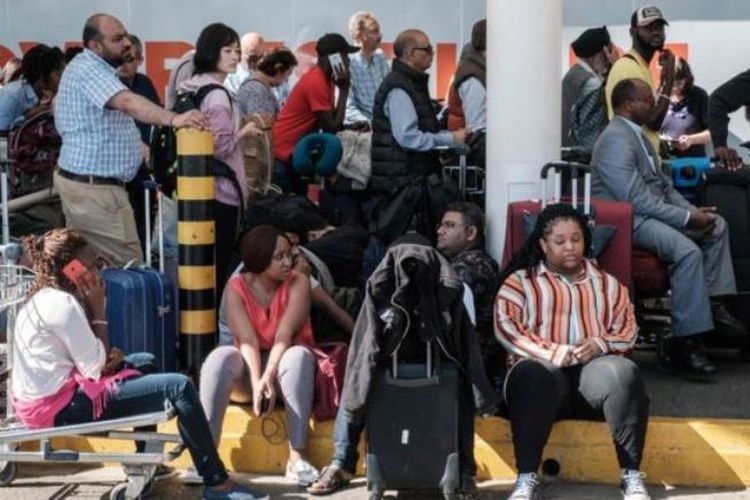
[[470, 178], [15, 281]]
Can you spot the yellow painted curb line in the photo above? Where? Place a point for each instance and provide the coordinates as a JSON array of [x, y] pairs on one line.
[[679, 452]]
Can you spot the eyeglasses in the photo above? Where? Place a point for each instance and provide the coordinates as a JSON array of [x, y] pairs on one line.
[[427, 49]]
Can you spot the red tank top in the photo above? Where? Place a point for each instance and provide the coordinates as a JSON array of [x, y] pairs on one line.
[[266, 320]]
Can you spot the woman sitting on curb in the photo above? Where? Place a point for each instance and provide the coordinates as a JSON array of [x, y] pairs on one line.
[[65, 372], [268, 310], [566, 325]]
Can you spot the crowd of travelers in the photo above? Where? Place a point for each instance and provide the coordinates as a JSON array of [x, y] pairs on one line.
[[550, 332]]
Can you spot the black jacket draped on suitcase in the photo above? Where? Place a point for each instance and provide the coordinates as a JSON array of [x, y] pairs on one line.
[[371, 348]]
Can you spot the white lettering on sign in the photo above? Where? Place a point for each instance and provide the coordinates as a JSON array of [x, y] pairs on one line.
[[405, 436]]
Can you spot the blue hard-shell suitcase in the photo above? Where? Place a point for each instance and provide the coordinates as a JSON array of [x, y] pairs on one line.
[[142, 310]]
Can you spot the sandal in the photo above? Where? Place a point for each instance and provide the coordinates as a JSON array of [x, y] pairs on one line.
[[332, 478]]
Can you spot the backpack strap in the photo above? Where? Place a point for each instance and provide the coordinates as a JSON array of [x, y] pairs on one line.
[[221, 169], [207, 89]]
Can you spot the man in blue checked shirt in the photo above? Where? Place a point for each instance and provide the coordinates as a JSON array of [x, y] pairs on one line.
[[367, 69], [101, 146]]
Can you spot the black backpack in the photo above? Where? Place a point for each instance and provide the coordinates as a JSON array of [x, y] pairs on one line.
[[163, 146]]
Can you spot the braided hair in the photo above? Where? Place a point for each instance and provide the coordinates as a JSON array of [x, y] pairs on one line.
[[530, 254], [49, 253]]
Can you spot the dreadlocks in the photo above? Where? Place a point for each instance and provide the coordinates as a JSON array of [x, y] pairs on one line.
[[49, 253], [530, 254]]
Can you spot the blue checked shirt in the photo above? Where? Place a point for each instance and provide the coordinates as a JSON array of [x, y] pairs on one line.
[[365, 80], [96, 140]]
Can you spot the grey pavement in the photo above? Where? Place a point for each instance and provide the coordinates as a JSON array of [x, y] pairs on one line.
[[41, 482]]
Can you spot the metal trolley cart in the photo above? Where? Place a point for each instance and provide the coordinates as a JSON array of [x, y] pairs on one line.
[[139, 467]]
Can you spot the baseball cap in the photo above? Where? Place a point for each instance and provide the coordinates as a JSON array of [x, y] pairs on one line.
[[332, 43], [647, 15]]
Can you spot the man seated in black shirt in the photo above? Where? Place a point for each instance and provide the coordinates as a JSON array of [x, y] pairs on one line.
[[460, 237]]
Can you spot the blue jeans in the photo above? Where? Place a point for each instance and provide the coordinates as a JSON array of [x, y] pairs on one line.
[[347, 430], [147, 394]]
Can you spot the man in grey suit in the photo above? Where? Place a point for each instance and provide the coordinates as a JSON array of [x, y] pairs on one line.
[[693, 241]]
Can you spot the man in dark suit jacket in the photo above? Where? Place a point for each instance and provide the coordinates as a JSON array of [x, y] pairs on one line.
[[693, 241]]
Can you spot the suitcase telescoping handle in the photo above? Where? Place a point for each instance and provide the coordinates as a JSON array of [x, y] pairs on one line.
[[574, 169], [428, 361], [151, 185]]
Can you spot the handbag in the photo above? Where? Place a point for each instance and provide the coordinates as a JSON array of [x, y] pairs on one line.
[[329, 378]]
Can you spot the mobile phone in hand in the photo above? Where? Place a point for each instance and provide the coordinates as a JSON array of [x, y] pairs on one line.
[[73, 270], [337, 65]]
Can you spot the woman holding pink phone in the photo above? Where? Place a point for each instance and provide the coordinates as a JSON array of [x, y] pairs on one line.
[[65, 371]]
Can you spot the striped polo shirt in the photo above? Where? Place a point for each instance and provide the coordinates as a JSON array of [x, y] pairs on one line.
[[545, 316]]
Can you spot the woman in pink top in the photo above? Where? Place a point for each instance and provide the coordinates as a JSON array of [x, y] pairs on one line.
[[268, 310], [217, 53]]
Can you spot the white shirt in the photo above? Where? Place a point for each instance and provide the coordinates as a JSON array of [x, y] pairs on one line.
[[51, 337]]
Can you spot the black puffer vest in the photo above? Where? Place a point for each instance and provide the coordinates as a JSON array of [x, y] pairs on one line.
[[393, 166]]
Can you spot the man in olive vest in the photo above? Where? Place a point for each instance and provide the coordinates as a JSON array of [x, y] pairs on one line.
[[405, 186]]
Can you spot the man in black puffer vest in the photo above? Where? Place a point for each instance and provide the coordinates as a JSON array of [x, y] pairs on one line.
[[406, 186]]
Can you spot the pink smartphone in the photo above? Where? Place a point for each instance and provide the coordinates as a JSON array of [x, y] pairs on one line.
[[73, 270]]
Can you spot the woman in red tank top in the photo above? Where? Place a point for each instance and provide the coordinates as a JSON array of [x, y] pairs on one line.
[[268, 311]]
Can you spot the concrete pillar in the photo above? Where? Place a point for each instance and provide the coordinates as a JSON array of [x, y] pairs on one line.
[[524, 40]]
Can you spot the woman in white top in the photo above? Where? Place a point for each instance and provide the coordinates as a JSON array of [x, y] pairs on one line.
[[65, 371]]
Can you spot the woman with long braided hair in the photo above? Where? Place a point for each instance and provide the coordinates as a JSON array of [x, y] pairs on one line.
[[566, 325], [65, 371]]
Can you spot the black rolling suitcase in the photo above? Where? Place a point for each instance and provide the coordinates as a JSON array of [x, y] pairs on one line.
[[413, 429]]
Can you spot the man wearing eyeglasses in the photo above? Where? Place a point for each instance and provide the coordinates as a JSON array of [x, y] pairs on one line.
[[405, 137], [460, 237]]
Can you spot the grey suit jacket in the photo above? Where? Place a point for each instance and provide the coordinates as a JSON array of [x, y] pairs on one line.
[[621, 170]]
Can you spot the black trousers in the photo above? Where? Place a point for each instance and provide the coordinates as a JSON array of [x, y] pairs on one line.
[[608, 387]]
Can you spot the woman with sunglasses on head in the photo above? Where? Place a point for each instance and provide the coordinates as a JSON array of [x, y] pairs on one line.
[[566, 326], [65, 371]]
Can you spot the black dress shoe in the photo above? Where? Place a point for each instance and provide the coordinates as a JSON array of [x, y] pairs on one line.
[[725, 323], [694, 358]]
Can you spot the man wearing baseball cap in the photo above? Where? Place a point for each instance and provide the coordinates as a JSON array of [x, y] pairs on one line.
[[647, 31], [311, 107], [584, 114]]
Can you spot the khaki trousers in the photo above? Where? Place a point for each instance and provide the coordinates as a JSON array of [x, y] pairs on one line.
[[103, 215]]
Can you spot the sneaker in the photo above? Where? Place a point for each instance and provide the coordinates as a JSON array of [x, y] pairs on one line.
[[191, 476], [302, 472], [632, 486], [527, 487], [236, 492]]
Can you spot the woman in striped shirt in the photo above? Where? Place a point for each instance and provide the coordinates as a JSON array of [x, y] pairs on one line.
[[566, 324]]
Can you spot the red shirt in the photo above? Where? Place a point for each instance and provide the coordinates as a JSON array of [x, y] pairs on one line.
[[313, 93]]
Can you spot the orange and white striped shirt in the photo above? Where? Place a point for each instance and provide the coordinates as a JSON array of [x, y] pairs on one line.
[[544, 316]]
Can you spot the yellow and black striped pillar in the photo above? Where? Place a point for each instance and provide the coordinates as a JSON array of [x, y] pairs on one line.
[[196, 236]]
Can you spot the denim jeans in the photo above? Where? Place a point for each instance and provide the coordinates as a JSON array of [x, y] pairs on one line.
[[347, 430], [147, 394]]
